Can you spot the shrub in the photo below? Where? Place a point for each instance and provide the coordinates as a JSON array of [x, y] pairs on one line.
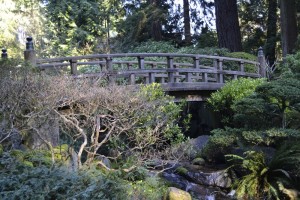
[[88, 115], [220, 143], [269, 137], [222, 101], [21, 181], [275, 103]]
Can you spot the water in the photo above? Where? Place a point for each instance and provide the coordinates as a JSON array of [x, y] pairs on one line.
[[199, 192]]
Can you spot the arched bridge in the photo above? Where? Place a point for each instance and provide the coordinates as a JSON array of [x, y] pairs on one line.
[[191, 76]]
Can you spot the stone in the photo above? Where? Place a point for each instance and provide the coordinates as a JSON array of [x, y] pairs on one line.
[[46, 133], [104, 160], [219, 178], [198, 161], [192, 147], [181, 170], [178, 194]]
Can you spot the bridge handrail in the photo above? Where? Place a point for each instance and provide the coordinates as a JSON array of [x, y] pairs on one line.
[[198, 72], [143, 55]]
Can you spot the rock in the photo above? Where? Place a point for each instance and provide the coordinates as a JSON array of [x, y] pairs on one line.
[[197, 145], [231, 194], [181, 170], [178, 194], [218, 178], [198, 161], [192, 148], [46, 132], [105, 161]]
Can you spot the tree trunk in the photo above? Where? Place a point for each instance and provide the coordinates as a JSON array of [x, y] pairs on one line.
[[228, 29], [156, 29], [288, 26], [187, 22], [271, 32]]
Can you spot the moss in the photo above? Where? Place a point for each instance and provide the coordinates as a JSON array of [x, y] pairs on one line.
[[181, 170], [17, 154], [61, 153], [28, 163]]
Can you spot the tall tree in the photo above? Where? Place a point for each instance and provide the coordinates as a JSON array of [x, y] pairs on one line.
[[187, 22], [271, 32], [288, 26], [228, 30]]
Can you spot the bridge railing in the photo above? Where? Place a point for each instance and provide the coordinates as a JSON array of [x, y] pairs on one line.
[[138, 67], [180, 70]]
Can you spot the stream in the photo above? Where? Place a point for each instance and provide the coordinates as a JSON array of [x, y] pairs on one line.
[[203, 183]]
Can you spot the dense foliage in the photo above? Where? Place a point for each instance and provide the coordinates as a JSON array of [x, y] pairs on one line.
[[68, 27], [22, 180], [265, 120], [223, 100]]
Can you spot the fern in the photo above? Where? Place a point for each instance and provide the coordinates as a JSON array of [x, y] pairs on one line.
[[267, 180]]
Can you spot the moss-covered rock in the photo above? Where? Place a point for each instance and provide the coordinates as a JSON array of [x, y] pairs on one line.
[[181, 171], [198, 161], [178, 194]]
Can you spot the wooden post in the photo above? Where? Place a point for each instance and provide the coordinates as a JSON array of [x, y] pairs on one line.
[[262, 62], [196, 62], [29, 53], [141, 62], [151, 77], [170, 66], [215, 65], [4, 54], [242, 67], [109, 67], [220, 68], [73, 64]]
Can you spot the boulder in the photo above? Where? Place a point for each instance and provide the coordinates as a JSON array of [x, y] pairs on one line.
[[178, 194], [192, 147]]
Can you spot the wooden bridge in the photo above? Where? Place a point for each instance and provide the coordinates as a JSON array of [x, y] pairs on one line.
[[189, 76]]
